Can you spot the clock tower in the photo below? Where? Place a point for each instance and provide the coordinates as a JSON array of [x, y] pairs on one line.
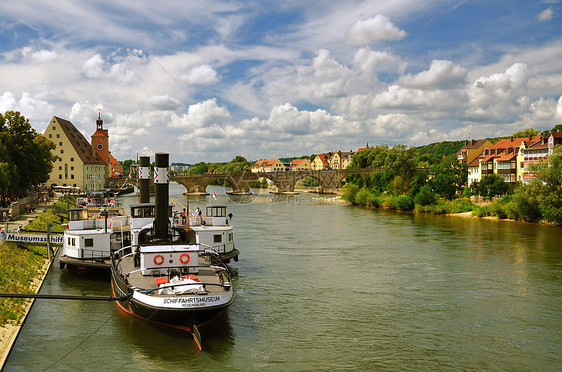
[[100, 143]]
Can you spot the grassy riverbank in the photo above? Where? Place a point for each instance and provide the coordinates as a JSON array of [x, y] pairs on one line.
[[22, 268]]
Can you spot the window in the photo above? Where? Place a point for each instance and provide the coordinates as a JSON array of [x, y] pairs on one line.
[[72, 241], [71, 176], [88, 242], [58, 135], [217, 238], [54, 127], [60, 167], [72, 167], [61, 151], [50, 135], [230, 237], [60, 176], [71, 159], [60, 143]]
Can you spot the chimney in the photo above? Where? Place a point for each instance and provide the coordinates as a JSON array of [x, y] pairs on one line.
[[144, 179], [511, 138], [161, 200], [530, 137]]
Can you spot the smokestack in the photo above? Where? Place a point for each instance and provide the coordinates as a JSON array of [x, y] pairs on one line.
[[144, 179], [162, 205]]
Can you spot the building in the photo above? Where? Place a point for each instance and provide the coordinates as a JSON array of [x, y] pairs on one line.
[[474, 171], [531, 153], [340, 160], [180, 167], [502, 158], [268, 165], [472, 150], [554, 139], [320, 162], [78, 164], [300, 164]]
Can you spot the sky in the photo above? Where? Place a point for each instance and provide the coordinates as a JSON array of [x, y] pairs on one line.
[[209, 80]]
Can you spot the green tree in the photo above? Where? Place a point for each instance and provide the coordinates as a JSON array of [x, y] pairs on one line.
[[449, 176], [526, 133], [199, 168], [27, 151]]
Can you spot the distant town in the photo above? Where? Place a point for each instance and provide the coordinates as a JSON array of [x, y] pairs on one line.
[[87, 165]]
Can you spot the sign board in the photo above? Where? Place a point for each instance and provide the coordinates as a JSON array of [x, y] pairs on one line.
[[33, 239]]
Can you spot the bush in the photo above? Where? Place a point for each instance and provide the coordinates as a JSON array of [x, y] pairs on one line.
[[362, 196], [349, 192], [425, 196], [403, 203]]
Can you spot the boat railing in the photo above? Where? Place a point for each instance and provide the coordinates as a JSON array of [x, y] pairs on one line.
[[91, 254]]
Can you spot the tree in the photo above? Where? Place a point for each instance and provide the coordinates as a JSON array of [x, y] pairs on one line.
[[490, 186], [526, 133], [449, 176], [27, 153]]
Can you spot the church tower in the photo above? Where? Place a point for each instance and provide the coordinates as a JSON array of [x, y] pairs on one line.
[[100, 143]]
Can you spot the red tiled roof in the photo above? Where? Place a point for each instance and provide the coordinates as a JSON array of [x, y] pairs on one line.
[[506, 157], [265, 163], [475, 162], [487, 158], [296, 162], [80, 144], [323, 158]]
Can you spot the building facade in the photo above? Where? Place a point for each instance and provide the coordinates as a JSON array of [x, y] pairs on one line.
[[268, 165], [300, 164], [78, 164]]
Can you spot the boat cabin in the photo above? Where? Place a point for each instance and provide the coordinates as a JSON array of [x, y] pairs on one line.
[[157, 260]]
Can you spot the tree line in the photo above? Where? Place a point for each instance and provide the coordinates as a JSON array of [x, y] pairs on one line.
[[407, 179]]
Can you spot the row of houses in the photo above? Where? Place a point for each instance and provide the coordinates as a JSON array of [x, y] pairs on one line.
[[331, 160], [509, 158]]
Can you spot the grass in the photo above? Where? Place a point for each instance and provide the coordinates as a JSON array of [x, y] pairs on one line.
[[20, 267]]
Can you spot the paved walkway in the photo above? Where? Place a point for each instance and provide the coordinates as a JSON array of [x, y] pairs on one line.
[[24, 219]]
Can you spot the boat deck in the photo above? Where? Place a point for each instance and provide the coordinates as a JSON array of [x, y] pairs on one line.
[[207, 275]]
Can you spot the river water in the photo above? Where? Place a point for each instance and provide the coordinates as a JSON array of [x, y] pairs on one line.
[[328, 286]]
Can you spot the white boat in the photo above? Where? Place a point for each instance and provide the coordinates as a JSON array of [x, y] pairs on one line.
[[91, 235], [163, 278], [213, 229]]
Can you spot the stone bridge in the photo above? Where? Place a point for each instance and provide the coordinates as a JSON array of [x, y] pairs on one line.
[[284, 181]]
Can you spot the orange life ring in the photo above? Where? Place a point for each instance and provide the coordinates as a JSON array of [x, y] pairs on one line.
[[184, 258], [158, 259]]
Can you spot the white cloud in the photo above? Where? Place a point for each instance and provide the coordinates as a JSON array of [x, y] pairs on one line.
[[200, 115], [441, 75], [163, 102], [545, 15], [203, 74], [379, 27]]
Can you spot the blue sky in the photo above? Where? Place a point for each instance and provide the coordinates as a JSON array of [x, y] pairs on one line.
[[209, 80]]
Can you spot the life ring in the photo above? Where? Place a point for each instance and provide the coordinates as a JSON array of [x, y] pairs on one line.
[[184, 258], [158, 259], [203, 223]]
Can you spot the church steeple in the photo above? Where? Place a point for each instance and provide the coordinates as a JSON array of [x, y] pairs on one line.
[[99, 122]]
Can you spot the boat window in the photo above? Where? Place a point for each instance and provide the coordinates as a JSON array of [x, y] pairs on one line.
[[217, 238], [230, 237], [72, 242], [88, 242], [216, 211]]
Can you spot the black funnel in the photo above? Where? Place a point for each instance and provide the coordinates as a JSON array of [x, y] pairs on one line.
[[144, 179], [161, 203]]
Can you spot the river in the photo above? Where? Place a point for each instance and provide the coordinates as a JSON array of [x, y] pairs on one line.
[[327, 286]]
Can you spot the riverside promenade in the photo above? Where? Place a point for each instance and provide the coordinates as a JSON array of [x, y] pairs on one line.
[[9, 332]]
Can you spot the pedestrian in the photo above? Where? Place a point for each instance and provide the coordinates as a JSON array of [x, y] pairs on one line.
[[198, 214], [2, 233], [4, 216], [183, 215]]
